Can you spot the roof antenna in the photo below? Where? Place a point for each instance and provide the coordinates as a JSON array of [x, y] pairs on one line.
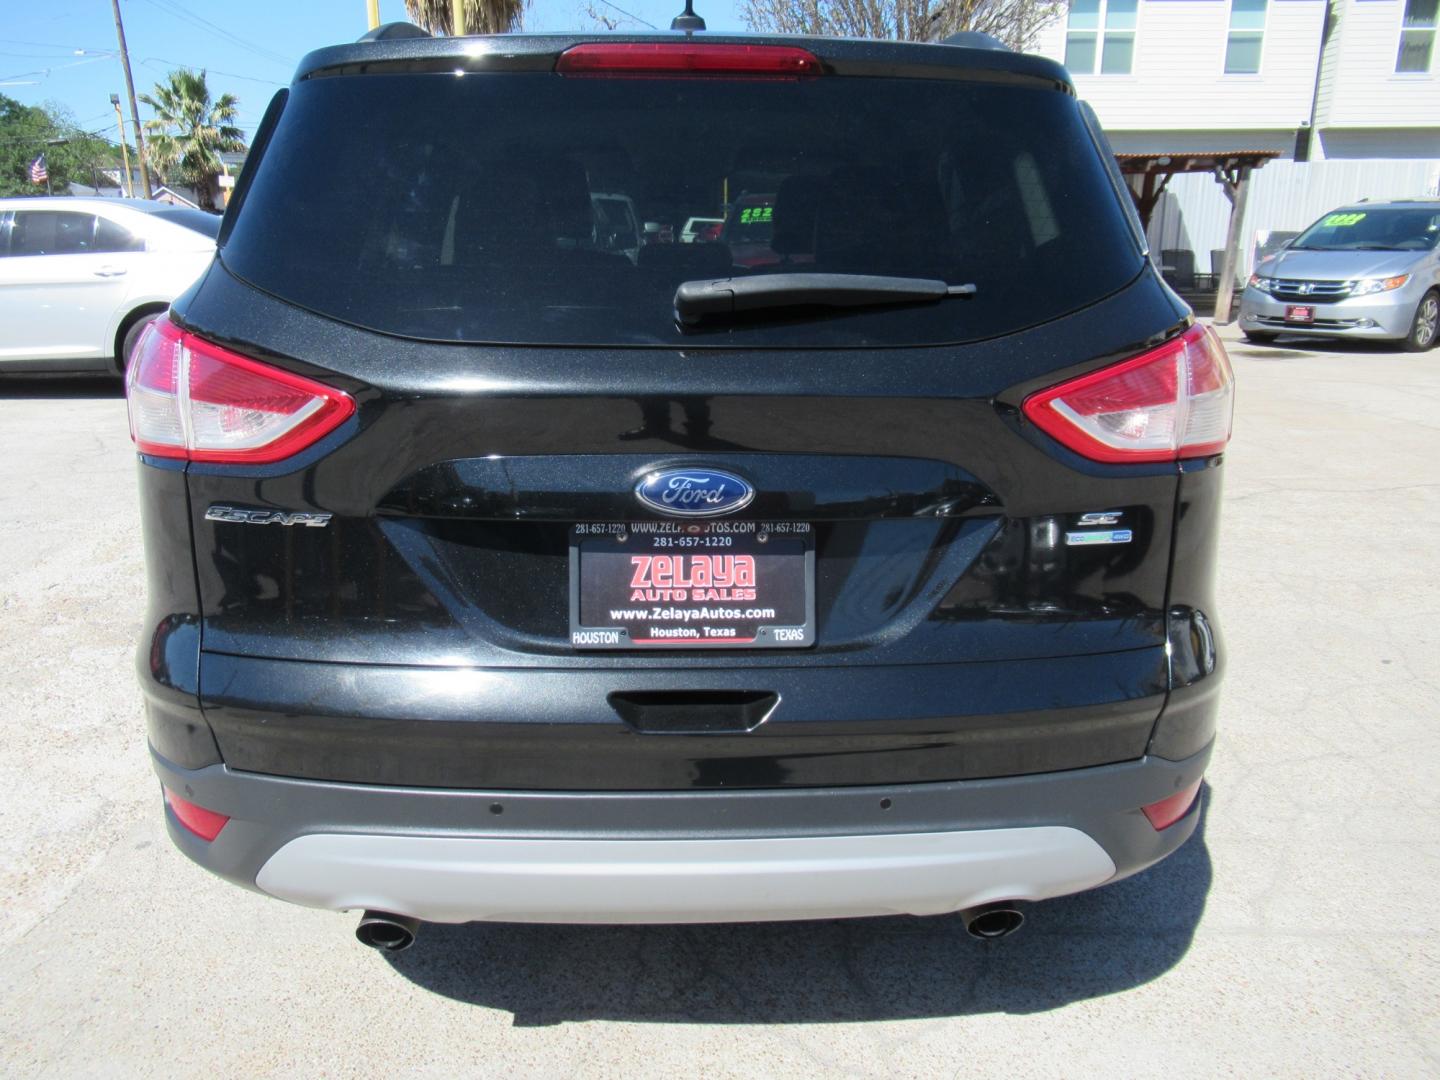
[[687, 20]]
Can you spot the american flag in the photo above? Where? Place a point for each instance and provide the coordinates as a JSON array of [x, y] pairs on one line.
[[38, 173]]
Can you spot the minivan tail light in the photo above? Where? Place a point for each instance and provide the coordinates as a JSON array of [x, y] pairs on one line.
[[189, 398], [674, 58], [1175, 401]]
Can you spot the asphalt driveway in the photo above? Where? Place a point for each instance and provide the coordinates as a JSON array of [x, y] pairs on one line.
[[1297, 934]]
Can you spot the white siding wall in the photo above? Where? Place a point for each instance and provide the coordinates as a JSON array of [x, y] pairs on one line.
[[1197, 142], [1194, 214], [1178, 82], [1362, 88], [1354, 142]]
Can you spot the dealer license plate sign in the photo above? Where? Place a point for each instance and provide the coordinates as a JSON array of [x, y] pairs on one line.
[[689, 585], [1300, 313]]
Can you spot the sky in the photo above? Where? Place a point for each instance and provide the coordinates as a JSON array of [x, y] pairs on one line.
[[63, 51]]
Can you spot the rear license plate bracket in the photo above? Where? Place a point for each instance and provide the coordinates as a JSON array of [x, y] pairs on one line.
[[681, 585]]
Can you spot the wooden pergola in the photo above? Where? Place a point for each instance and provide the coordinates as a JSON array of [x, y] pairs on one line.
[[1149, 174]]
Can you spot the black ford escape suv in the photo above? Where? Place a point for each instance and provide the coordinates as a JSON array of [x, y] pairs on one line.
[[501, 569]]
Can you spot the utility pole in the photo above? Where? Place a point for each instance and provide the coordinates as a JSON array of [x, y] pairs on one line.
[[134, 109], [372, 12], [457, 17], [126, 185]]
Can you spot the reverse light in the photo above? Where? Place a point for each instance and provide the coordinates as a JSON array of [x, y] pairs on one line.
[[1367, 286], [1167, 811], [191, 399], [1175, 401], [689, 58], [205, 824]]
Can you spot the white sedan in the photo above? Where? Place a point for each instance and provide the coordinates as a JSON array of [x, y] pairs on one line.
[[79, 278]]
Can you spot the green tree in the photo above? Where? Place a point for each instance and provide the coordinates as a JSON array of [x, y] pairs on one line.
[[190, 132], [26, 131], [481, 16]]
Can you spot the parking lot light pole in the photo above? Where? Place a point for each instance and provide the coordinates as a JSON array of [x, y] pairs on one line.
[[126, 186]]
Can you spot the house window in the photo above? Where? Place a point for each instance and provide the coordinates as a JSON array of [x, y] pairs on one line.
[[1417, 35], [1247, 31], [1102, 30]]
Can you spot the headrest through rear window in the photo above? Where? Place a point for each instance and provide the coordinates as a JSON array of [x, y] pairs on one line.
[[797, 202], [532, 203]]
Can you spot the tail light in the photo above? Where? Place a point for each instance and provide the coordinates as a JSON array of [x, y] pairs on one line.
[[1167, 811], [192, 399], [675, 58], [1175, 401], [205, 824]]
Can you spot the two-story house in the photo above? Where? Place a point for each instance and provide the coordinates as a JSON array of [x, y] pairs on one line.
[[1347, 91], [1378, 90]]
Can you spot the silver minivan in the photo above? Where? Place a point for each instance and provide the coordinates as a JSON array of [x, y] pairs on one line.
[[1370, 270]]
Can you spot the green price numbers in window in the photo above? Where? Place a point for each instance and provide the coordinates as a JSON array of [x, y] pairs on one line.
[[754, 215], [1342, 220]]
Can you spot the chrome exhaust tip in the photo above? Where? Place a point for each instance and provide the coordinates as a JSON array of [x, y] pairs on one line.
[[387, 933], [992, 921]]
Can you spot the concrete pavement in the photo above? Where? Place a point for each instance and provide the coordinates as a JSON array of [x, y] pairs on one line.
[[1296, 935]]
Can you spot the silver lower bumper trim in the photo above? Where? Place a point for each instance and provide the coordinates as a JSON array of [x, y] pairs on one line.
[[456, 879]]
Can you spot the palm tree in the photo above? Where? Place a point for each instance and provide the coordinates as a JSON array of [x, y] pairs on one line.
[[189, 133], [481, 16]]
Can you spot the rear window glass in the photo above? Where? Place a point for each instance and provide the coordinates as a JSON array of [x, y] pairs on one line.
[[538, 209]]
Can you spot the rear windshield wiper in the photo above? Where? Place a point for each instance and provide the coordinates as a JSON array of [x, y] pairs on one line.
[[697, 300]]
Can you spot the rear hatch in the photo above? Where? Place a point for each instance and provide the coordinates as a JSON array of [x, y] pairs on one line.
[[962, 596]]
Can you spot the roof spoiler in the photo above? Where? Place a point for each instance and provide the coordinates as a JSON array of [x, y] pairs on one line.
[[974, 39], [395, 31]]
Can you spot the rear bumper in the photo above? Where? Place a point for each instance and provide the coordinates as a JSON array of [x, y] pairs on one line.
[[457, 879], [658, 857], [558, 730]]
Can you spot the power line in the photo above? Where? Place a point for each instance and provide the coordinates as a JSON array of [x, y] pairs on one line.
[[46, 45], [45, 72], [40, 56], [202, 23], [170, 8], [151, 61], [72, 136], [633, 18]]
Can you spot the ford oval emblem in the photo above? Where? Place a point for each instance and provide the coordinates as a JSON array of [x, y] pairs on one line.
[[694, 493]]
